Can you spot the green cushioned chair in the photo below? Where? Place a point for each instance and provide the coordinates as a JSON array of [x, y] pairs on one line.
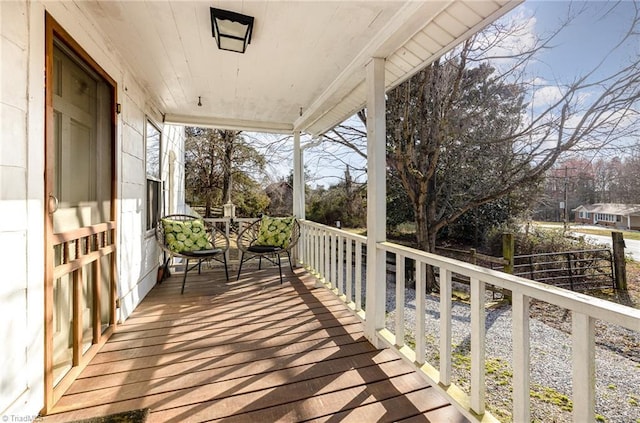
[[191, 238], [269, 237]]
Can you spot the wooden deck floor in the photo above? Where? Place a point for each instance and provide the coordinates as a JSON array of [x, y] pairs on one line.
[[248, 351]]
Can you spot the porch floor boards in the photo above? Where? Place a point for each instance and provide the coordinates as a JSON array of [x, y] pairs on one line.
[[249, 350]]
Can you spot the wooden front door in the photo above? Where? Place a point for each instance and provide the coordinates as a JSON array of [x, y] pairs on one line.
[[80, 226]]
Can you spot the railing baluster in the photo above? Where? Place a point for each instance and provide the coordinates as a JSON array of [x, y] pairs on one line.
[[327, 257], [420, 312], [478, 387], [583, 366], [322, 253], [521, 358], [349, 270], [445, 326], [341, 287], [313, 247], [304, 239], [358, 292], [332, 263], [316, 251], [307, 262], [400, 285]]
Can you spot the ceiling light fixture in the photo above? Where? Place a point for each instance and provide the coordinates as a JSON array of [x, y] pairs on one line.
[[231, 30]]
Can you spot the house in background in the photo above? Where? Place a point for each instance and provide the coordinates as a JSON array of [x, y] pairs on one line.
[[621, 216]]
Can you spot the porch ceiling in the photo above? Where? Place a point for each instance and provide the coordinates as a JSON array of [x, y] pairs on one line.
[[304, 55]]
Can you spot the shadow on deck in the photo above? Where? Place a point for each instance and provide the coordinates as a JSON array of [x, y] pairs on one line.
[[249, 350]]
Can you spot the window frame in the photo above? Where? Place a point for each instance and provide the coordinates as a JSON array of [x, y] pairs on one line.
[[606, 217], [153, 181]]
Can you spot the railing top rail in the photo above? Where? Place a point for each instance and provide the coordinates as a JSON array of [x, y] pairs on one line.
[[341, 232], [595, 307]]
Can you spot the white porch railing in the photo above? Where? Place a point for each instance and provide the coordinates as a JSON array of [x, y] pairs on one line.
[[335, 258]]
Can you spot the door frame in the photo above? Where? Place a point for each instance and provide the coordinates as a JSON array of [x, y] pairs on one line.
[[55, 32]]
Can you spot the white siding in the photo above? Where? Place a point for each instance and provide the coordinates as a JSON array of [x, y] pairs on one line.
[[20, 212], [22, 189]]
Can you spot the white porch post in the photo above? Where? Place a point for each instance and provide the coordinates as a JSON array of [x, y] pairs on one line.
[[376, 199], [298, 192], [298, 189]]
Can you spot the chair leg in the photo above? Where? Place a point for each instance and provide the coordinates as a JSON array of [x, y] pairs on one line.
[[290, 264], [279, 267], [184, 278], [224, 259], [259, 262], [240, 265]]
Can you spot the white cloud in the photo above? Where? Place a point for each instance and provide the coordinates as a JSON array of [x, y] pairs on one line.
[[546, 96], [513, 34]]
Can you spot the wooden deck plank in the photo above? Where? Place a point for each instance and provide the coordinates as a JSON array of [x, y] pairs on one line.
[[299, 323], [251, 350], [225, 398], [179, 320], [238, 345], [251, 301], [406, 405], [233, 335], [136, 327], [320, 406], [217, 354], [232, 365], [218, 380]]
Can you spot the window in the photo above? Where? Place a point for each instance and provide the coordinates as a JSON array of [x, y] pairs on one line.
[[154, 183], [605, 217]]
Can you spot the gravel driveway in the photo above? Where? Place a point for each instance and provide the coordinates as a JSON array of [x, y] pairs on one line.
[[618, 376]]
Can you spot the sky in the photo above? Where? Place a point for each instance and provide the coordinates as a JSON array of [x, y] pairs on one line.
[[595, 28], [587, 39], [585, 43]]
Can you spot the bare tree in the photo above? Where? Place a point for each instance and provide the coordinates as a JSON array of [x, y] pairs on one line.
[[466, 131]]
